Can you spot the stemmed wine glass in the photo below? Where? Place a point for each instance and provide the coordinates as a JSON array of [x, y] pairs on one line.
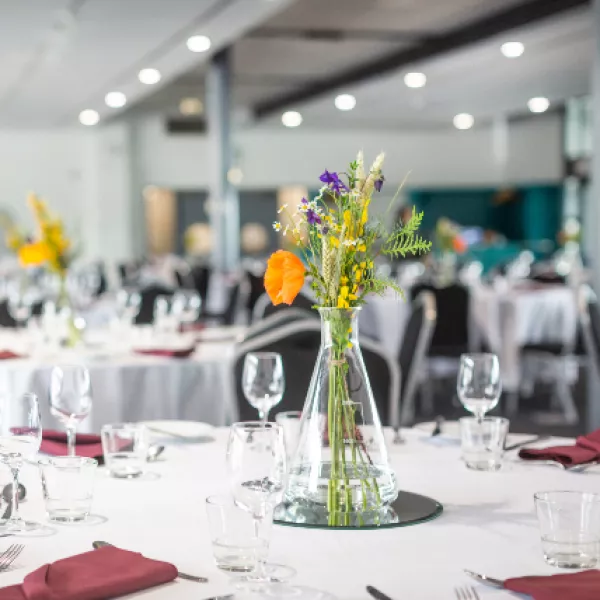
[[479, 385], [186, 306], [70, 398], [256, 462], [128, 305], [263, 381], [20, 439]]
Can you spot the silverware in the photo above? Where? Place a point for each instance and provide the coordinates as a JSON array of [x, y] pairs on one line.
[[7, 495], [154, 452], [582, 467], [378, 595], [9, 556], [437, 430], [227, 597], [485, 579], [466, 593], [186, 576], [154, 429], [533, 440]]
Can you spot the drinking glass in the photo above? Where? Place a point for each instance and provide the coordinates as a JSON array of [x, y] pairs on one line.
[[290, 421], [570, 528], [479, 386], [70, 398], [237, 544], [128, 305], [125, 448], [68, 487], [257, 468], [483, 441], [263, 381], [186, 306], [20, 439], [20, 305]]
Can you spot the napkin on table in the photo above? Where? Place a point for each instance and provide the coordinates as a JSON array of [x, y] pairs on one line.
[[8, 355], [86, 444], [101, 574], [569, 586], [184, 353], [585, 450]]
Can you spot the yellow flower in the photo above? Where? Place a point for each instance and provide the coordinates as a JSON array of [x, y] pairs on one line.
[[335, 242], [365, 213], [361, 248], [341, 303], [363, 265], [343, 280], [34, 254], [352, 297], [359, 275], [344, 291]]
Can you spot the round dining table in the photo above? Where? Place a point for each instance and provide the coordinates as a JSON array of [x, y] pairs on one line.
[[488, 525]]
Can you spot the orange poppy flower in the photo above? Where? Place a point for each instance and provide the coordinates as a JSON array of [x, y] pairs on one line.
[[284, 277], [459, 245], [34, 254]]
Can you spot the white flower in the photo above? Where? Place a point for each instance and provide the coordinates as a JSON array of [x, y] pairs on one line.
[[287, 228], [302, 207], [282, 208], [349, 243], [277, 226]]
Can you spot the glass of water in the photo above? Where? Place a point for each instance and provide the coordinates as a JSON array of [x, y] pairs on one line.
[[68, 487], [479, 385], [482, 442], [263, 381], [570, 528], [290, 421], [238, 545], [125, 448]]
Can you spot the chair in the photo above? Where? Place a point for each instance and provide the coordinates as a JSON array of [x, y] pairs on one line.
[[148, 298], [200, 276], [298, 343], [589, 319], [278, 319], [264, 307]]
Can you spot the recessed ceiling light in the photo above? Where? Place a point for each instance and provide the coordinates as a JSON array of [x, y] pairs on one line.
[[235, 176], [198, 43], [89, 117], [345, 102], [115, 99], [463, 121], [415, 80], [512, 49], [149, 76], [191, 106], [538, 105], [291, 118]]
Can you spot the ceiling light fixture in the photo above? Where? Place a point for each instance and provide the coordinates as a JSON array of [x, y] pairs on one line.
[[538, 105], [463, 121], [512, 49], [198, 43], [89, 117], [415, 80], [149, 76], [191, 106], [291, 118], [345, 102], [115, 99]]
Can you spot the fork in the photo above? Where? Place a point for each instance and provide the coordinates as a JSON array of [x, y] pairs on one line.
[[466, 593], [9, 556]]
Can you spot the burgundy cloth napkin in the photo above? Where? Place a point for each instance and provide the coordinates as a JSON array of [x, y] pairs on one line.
[[86, 444], [97, 575], [586, 449], [8, 355], [569, 586], [168, 353]]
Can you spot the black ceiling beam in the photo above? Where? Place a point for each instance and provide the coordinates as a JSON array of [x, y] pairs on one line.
[[339, 35], [475, 31]]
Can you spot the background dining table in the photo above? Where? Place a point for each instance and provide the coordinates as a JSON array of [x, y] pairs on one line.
[[488, 525]]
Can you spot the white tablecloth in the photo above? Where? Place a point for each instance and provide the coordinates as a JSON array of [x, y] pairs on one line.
[[509, 319], [488, 525], [130, 387]]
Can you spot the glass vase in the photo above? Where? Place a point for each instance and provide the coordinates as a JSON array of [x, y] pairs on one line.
[[340, 475], [72, 332]]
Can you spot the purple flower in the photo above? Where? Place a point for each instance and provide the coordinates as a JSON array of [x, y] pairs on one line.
[[333, 181], [379, 183], [325, 230], [304, 201], [312, 217]]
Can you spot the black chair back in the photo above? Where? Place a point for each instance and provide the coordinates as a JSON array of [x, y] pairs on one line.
[[451, 334], [265, 308], [148, 297], [201, 278], [257, 289]]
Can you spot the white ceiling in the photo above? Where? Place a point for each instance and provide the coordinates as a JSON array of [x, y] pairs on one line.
[[61, 56]]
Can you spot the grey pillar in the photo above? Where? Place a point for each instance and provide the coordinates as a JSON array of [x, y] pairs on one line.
[[223, 197]]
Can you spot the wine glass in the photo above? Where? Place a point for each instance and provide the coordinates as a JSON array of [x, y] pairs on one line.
[[128, 305], [479, 385], [186, 306], [256, 463], [20, 439], [263, 381], [70, 398]]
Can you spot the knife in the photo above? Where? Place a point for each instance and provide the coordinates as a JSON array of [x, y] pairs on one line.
[[377, 594], [181, 575], [537, 438], [497, 583]]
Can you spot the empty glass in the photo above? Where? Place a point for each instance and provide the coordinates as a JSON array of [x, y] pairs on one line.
[[263, 381], [70, 398], [570, 528], [186, 306], [479, 385], [128, 305], [289, 421], [483, 441], [125, 447], [238, 545], [165, 323], [68, 487], [20, 439]]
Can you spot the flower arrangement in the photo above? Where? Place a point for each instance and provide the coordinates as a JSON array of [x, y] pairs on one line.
[[339, 243], [448, 237]]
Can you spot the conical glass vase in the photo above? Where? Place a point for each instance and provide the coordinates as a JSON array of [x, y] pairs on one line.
[[340, 476]]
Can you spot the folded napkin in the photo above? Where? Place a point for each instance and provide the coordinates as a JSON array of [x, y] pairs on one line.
[[574, 586], [585, 450], [8, 355], [97, 575], [86, 444], [184, 353]]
